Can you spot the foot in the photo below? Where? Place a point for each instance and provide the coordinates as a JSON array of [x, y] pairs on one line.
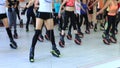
[[13, 44], [55, 52]]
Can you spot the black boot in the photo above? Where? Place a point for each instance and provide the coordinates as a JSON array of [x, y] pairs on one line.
[[102, 27], [87, 31], [15, 34], [31, 55], [21, 23], [106, 39], [13, 44], [95, 28], [69, 36], [62, 42], [113, 39], [77, 39], [81, 35], [91, 25], [55, 52]]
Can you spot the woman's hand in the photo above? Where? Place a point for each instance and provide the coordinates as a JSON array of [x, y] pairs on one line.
[[99, 12]]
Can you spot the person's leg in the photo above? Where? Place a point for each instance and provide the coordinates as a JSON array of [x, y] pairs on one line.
[[117, 22], [87, 24], [112, 34], [18, 13], [47, 36], [39, 23], [50, 27], [33, 18], [60, 23], [15, 23], [62, 34], [55, 18], [27, 23], [40, 38], [78, 26], [90, 20], [13, 43], [69, 35], [72, 19], [106, 33], [10, 19]]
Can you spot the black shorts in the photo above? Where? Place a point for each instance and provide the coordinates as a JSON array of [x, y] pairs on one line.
[[90, 11], [2, 16], [44, 15], [100, 16]]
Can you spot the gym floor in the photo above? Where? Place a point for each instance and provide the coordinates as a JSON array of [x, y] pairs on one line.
[[92, 53]]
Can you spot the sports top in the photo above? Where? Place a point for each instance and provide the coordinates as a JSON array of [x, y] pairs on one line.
[[77, 7], [112, 9], [100, 4], [45, 6], [70, 3], [90, 3], [2, 6], [57, 6], [84, 7]]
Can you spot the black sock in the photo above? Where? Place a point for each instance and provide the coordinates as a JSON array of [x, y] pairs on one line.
[[52, 38], [9, 33], [35, 37]]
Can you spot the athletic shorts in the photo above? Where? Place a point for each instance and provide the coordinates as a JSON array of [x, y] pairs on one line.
[[44, 15], [2, 16], [100, 16], [90, 11]]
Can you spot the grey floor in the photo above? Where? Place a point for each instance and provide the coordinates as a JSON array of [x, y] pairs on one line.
[[92, 53]]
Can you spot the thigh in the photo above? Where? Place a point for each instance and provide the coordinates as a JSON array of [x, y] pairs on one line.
[[39, 23], [49, 24], [5, 22]]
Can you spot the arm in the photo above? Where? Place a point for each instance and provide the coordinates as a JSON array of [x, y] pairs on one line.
[[31, 2], [93, 3], [61, 7], [36, 4], [106, 5], [82, 7]]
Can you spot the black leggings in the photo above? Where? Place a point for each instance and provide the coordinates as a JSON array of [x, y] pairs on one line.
[[29, 15], [111, 22], [18, 13], [77, 20], [58, 20], [86, 20], [117, 20], [71, 15], [51, 36]]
